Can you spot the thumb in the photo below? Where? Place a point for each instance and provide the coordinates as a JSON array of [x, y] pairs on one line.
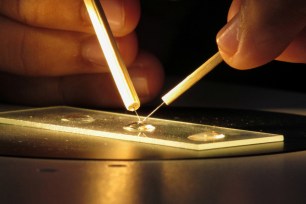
[[260, 31]]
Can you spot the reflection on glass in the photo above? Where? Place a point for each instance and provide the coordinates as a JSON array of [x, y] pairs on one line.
[[159, 132]]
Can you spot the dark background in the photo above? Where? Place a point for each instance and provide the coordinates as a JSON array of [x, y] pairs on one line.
[[181, 33]]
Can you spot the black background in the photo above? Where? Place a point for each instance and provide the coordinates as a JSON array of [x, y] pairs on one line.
[[182, 35]]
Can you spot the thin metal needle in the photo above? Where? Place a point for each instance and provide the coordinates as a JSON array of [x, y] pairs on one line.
[[137, 116], [189, 81], [153, 111], [193, 78]]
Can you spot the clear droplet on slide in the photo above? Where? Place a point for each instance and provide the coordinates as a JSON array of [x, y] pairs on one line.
[[139, 126], [206, 137], [77, 118]]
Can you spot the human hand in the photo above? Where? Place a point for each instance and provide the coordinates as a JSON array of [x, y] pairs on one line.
[[260, 31], [49, 54]]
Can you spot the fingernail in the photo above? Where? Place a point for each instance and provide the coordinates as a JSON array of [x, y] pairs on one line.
[[85, 21], [141, 86], [228, 37], [114, 11], [140, 81], [91, 51]]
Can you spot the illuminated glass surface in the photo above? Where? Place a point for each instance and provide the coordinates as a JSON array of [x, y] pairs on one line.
[[111, 125]]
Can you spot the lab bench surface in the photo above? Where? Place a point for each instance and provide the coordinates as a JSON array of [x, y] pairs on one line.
[[110, 171]]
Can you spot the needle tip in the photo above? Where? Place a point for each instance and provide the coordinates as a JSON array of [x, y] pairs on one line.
[[153, 111]]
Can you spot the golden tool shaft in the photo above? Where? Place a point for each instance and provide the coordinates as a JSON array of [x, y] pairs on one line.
[[193, 78], [112, 55]]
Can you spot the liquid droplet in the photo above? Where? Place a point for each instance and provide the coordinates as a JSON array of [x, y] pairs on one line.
[[206, 137], [77, 118], [139, 126]]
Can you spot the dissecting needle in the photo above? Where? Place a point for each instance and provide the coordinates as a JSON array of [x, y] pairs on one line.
[[189, 81]]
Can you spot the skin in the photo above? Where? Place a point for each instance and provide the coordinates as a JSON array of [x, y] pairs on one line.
[[47, 58], [259, 31]]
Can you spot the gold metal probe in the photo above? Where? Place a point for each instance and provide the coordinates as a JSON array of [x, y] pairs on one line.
[[112, 55], [189, 81]]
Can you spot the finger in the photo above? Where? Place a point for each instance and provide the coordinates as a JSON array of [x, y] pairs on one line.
[[146, 73], [296, 51], [123, 15], [128, 47], [234, 9], [43, 52], [260, 32], [95, 90]]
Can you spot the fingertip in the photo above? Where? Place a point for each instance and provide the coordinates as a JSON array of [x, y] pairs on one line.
[[234, 9], [243, 47], [262, 35], [99, 90], [128, 47], [147, 75], [228, 40], [132, 11], [295, 52], [122, 15], [91, 50], [236, 61]]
